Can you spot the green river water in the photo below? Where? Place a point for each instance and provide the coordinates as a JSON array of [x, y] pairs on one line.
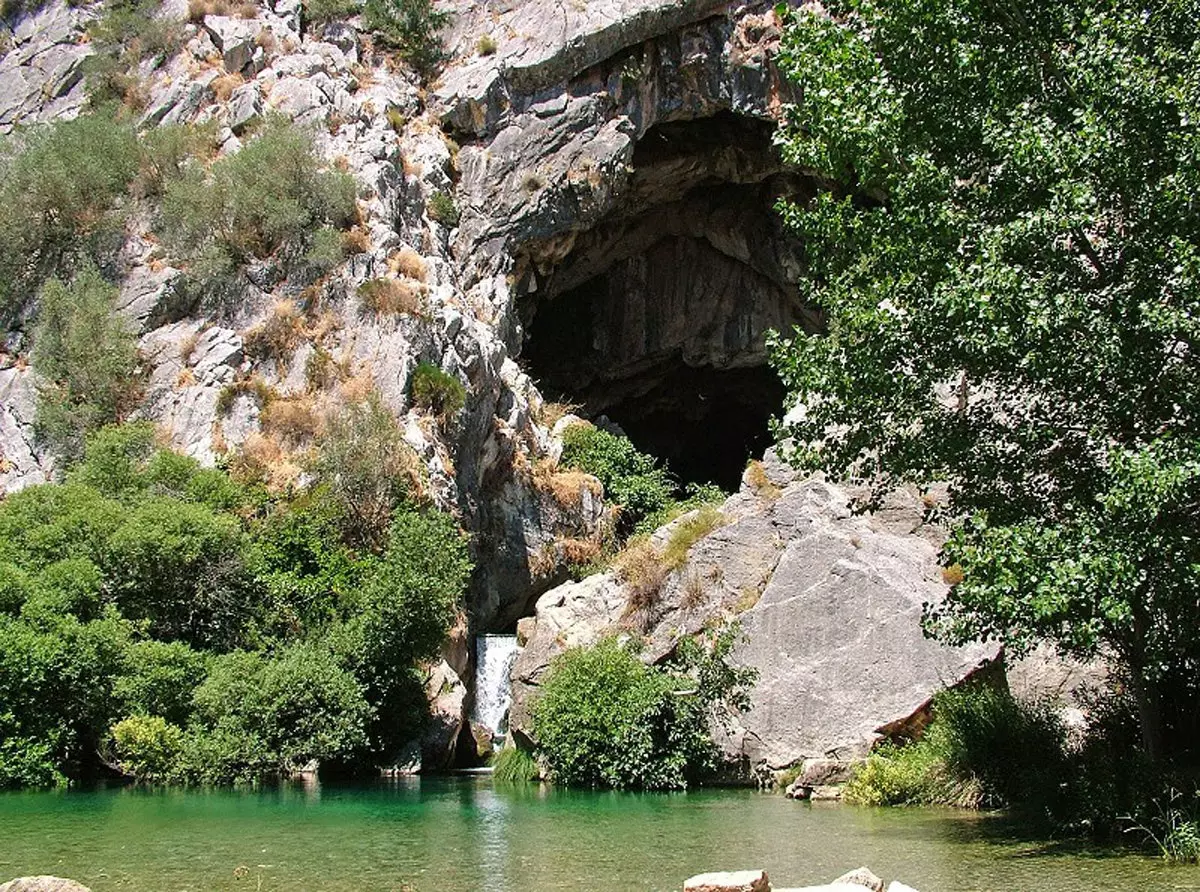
[[454, 834]]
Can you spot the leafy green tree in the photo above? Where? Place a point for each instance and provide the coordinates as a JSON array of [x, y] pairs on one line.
[[61, 187], [271, 199], [411, 27], [1007, 257], [87, 355], [258, 716], [159, 678]]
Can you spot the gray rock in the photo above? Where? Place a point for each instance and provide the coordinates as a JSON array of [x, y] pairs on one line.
[[861, 876], [41, 75], [234, 38], [245, 106], [729, 881], [42, 884], [830, 609]]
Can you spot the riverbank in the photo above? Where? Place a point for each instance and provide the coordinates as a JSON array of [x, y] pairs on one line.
[[464, 834]]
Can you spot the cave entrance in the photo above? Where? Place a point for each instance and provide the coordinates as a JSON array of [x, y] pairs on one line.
[[657, 316]]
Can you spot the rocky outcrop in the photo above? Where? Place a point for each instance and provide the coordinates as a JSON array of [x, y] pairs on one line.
[[829, 604], [860, 880], [41, 65]]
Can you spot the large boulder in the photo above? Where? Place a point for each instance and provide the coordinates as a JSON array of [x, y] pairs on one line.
[[829, 604], [729, 881]]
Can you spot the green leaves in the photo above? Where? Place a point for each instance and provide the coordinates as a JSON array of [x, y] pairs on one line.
[[1006, 261]]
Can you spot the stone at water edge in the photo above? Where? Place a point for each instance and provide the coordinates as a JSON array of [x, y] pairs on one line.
[[729, 881], [895, 886], [829, 887], [42, 884], [863, 877]]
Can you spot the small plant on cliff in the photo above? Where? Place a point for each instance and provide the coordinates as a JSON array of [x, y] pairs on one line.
[[437, 391], [411, 28], [631, 478], [442, 209], [607, 719]]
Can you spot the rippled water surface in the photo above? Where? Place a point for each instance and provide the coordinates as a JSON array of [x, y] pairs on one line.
[[454, 834]]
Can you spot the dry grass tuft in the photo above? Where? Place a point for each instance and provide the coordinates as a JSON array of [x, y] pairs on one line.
[[565, 487], [688, 532], [756, 477], [389, 297], [407, 262], [279, 334], [548, 414], [187, 347], [356, 241], [640, 566], [262, 459], [198, 9], [224, 85], [953, 574], [695, 591], [294, 421]]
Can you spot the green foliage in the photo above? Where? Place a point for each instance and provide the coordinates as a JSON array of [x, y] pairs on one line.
[[513, 765], [983, 749], [411, 28], [159, 678], [687, 532], [259, 716], [87, 355], [1008, 267], [126, 33], [366, 468], [318, 12], [61, 188], [146, 747], [166, 152], [631, 478], [442, 209], [606, 719], [271, 199], [436, 391]]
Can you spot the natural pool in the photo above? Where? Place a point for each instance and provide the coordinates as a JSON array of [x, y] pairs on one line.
[[453, 834]]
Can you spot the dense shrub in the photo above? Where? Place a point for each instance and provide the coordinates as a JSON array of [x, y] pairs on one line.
[[367, 468], [410, 27], [146, 747], [318, 12], [631, 478], [438, 392], [87, 355], [61, 187], [259, 716], [159, 678], [271, 199], [513, 765], [606, 719], [127, 32]]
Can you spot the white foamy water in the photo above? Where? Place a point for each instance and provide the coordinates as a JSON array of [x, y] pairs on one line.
[[494, 657]]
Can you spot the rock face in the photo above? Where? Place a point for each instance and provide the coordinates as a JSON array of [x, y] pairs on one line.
[[41, 74], [42, 884], [829, 604]]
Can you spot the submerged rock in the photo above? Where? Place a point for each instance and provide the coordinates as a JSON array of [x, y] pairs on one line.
[[729, 881], [42, 884]]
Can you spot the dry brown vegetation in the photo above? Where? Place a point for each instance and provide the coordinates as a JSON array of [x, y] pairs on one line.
[[279, 334], [756, 477], [224, 85], [640, 566], [548, 414], [407, 262], [356, 240], [262, 459], [293, 420], [387, 297], [565, 487], [198, 9]]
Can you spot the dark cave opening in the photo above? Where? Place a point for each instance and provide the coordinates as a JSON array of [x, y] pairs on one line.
[[656, 317]]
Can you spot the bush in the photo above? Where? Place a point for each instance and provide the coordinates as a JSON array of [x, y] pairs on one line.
[[87, 354], [159, 678], [631, 478], [61, 187], [442, 209], [605, 719], [271, 199], [146, 747], [983, 749], [127, 32], [318, 12], [410, 27], [391, 296], [258, 716], [366, 468], [436, 391]]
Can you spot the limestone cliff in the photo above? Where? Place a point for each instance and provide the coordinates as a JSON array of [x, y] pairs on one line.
[[615, 247]]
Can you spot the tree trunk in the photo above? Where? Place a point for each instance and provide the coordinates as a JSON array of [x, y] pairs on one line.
[[1149, 710]]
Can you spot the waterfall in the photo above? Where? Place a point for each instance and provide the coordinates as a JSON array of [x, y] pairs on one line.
[[494, 657]]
